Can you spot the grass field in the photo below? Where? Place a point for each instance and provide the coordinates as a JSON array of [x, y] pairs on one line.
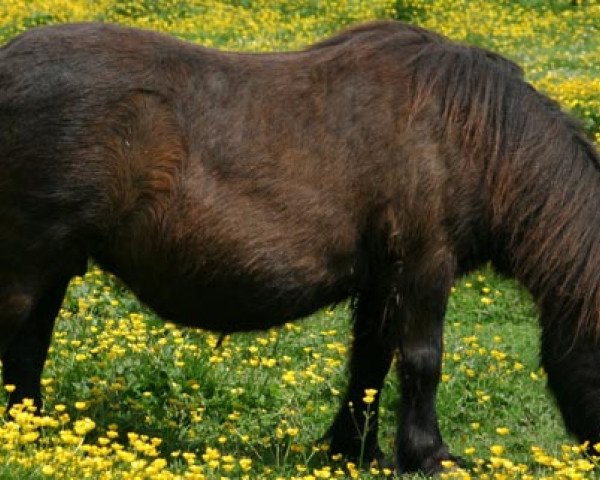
[[127, 396]]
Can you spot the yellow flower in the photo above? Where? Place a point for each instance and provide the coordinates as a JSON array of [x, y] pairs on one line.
[[369, 395], [497, 449], [210, 454], [30, 437], [84, 426], [47, 470], [289, 377], [518, 366], [245, 464]]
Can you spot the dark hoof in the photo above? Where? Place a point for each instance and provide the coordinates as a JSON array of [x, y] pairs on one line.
[[431, 464], [384, 462], [436, 466]]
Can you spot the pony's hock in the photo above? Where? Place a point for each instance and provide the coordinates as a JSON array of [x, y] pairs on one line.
[[254, 189]]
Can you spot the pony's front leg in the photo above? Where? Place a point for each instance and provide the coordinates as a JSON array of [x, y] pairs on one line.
[[354, 430], [571, 357], [419, 442]]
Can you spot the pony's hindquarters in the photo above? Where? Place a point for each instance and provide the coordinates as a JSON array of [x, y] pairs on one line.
[[47, 197]]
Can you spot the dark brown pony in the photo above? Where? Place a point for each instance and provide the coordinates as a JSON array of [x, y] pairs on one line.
[[239, 191]]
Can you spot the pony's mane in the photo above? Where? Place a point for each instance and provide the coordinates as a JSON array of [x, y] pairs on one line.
[[541, 173], [386, 32]]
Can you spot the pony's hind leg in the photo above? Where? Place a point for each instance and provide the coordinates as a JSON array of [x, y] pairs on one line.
[[15, 306], [29, 302], [425, 293], [371, 356], [24, 354]]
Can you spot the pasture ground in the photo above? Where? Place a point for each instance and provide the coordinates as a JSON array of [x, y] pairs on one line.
[[129, 397]]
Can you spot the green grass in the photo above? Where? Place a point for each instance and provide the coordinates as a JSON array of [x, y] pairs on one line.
[[129, 377]]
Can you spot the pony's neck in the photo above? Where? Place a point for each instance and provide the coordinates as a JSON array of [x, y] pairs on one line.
[[545, 207]]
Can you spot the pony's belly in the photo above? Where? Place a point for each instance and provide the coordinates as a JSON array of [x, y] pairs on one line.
[[241, 304], [238, 264]]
